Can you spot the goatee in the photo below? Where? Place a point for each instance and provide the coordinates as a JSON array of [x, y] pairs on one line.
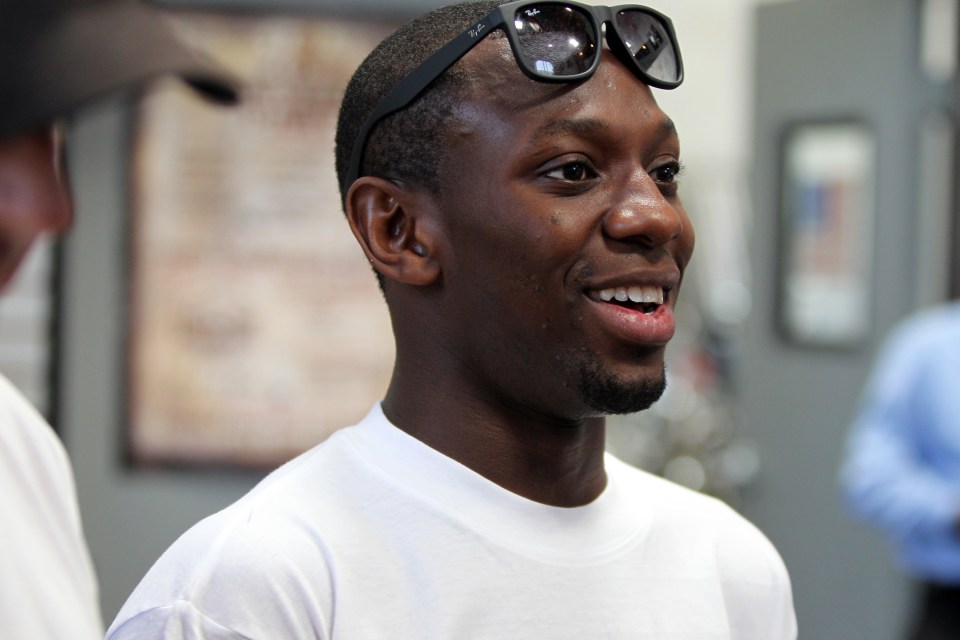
[[608, 395]]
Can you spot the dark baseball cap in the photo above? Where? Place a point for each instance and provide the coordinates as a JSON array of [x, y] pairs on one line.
[[55, 55]]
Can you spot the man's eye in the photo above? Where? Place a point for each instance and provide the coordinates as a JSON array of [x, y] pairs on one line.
[[572, 172], [667, 173]]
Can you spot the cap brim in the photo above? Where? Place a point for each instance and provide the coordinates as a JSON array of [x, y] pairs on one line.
[[95, 49]]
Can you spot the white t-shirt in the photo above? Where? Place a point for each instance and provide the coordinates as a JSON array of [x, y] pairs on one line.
[[48, 589], [374, 535]]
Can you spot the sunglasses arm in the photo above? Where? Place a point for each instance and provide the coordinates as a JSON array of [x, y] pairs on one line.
[[408, 89]]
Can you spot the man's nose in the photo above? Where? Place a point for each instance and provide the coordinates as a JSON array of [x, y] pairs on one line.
[[59, 209], [642, 214], [34, 192], [58, 212]]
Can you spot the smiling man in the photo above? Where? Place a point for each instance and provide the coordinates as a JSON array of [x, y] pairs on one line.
[[513, 184]]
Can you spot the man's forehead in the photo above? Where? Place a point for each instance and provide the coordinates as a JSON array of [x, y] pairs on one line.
[[491, 65], [496, 79]]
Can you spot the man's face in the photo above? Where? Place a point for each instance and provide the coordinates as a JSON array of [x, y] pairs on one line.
[[33, 195], [556, 198]]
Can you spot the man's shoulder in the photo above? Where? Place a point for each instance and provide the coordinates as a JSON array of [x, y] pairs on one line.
[[44, 548], [34, 452], [922, 342], [271, 542], [228, 573], [928, 328], [703, 528], [284, 510], [669, 495], [681, 509]]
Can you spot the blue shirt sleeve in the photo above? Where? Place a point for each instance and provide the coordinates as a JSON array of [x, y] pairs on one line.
[[902, 466]]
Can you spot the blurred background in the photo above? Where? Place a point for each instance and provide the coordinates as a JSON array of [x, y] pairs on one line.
[[154, 334]]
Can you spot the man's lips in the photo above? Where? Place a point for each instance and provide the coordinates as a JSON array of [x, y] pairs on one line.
[[640, 324], [636, 310]]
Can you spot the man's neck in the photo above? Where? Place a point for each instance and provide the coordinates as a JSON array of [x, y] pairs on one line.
[[543, 459]]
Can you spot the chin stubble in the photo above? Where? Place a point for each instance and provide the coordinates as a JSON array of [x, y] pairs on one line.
[[608, 394]]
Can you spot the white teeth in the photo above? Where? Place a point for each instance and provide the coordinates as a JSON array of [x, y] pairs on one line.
[[636, 294], [646, 295]]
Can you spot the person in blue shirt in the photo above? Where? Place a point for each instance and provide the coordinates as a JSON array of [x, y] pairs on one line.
[[902, 467]]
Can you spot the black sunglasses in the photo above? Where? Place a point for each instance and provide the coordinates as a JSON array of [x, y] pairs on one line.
[[553, 41]]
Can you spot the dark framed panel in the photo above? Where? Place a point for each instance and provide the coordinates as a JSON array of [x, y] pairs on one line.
[[255, 323], [827, 219]]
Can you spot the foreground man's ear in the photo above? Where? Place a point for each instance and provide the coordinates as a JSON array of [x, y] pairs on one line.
[[395, 226]]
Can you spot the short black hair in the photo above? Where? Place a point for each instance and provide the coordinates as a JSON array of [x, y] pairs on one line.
[[405, 145]]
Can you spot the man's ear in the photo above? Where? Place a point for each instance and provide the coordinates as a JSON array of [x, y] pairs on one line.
[[395, 225]]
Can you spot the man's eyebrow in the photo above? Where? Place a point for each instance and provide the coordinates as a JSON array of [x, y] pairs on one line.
[[668, 128], [589, 126], [575, 126]]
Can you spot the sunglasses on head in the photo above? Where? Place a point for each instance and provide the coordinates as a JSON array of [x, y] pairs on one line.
[[552, 41]]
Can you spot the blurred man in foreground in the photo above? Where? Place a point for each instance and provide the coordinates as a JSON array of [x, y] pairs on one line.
[[55, 57]]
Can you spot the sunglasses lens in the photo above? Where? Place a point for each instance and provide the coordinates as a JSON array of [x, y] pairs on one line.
[[649, 42], [556, 40]]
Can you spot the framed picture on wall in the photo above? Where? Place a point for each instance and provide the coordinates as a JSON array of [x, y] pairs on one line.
[[255, 326], [827, 216]]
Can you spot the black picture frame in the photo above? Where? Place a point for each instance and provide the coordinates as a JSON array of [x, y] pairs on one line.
[[827, 220]]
